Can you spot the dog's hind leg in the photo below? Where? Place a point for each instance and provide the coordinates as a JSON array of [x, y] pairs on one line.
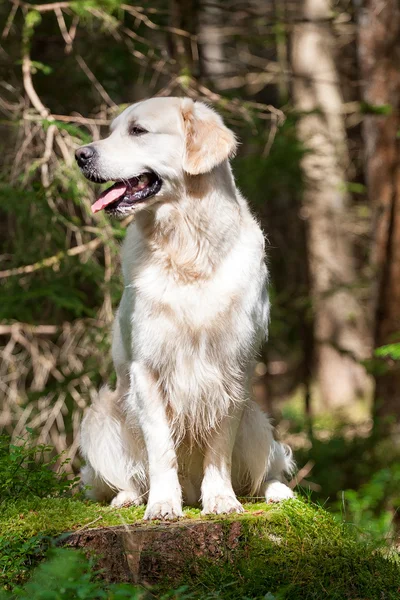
[[115, 465], [259, 461], [95, 487], [280, 461]]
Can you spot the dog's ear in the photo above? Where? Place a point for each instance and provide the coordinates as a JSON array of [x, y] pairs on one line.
[[208, 141]]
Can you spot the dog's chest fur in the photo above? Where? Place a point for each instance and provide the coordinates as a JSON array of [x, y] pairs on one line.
[[195, 317]]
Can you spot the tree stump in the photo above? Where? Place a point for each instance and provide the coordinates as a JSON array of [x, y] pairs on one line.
[[151, 554]]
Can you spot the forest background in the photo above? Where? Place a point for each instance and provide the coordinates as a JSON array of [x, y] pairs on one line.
[[312, 89]]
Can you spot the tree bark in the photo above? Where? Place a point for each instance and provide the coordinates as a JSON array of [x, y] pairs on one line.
[[183, 16], [211, 43], [379, 55], [152, 554], [340, 325]]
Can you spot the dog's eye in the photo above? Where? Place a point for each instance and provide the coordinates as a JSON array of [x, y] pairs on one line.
[[137, 130]]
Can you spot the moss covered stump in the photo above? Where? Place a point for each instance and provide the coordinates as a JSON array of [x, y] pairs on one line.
[[295, 551], [155, 554]]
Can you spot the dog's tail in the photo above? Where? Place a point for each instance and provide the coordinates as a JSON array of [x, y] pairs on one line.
[[280, 461]]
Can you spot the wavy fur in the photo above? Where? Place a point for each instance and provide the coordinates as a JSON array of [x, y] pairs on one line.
[[193, 315]]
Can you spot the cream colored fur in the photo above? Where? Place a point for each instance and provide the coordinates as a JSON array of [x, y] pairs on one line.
[[193, 315]]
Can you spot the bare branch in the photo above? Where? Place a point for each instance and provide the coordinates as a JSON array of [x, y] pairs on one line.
[[301, 474], [52, 260], [10, 20], [63, 29], [71, 119], [33, 329], [30, 90], [47, 155], [107, 99], [43, 7]]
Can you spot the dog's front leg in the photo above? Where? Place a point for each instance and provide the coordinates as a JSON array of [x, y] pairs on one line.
[[165, 495], [216, 489]]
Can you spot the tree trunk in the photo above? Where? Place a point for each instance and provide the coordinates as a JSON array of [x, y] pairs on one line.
[[379, 54], [183, 16], [211, 43], [340, 325]]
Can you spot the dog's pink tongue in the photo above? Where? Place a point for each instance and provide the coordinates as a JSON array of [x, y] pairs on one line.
[[109, 196]]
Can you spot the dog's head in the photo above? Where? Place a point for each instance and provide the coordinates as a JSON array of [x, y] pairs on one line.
[[152, 146]]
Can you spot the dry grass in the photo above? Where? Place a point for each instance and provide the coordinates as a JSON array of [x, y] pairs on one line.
[[46, 379], [41, 368]]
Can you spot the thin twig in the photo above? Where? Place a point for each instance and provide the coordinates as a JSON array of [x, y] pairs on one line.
[[38, 104], [72, 32], [43, 7], [33, 329], [301, 474], [63, 27], [108, 100], [70, 119], [271, 136], [136, 12], [43, 162], [30, 90], [52, 260], [88, 524], [10, 20]]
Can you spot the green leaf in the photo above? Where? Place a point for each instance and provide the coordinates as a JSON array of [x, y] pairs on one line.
[[32, 19], [389, 351], [376, 109], [38, 66], [354, 187]]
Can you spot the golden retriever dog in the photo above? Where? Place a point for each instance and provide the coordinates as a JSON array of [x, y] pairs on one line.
[[181, 424]]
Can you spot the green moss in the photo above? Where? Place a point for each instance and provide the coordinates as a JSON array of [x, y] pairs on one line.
[[28, 526], [294, 550], [53, 516], [301, 552]]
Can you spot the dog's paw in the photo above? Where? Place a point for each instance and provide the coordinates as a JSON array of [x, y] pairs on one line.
[[164, 511], [218, 505], [277, 491], [125, 499]]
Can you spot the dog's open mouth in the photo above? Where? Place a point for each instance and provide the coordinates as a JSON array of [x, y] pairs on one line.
[[125, 194]]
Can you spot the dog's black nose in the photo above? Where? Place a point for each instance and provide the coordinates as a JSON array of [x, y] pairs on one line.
[[83, 154]]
